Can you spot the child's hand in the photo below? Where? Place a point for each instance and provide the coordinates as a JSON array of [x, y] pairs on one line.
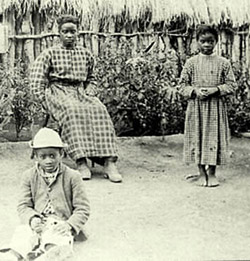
[[63, 228], [204, 93], [201, 93], [209, 91], [36, 224]]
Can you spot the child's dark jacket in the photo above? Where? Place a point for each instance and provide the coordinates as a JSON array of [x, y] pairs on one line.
[[67, 194]]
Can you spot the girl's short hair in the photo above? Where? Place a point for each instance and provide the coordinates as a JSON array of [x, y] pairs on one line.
[[67, 19], [205, 28]]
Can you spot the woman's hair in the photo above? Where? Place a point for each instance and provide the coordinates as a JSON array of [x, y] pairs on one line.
[[205, 28], [67, 19]]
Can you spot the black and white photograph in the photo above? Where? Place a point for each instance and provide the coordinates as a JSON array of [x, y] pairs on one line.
[[124, 130]]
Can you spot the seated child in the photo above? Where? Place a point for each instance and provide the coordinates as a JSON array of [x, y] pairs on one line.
[[52, 205]]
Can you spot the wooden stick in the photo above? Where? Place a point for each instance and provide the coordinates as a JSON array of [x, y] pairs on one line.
[[95, 33]]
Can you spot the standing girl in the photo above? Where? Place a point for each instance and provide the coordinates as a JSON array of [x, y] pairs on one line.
[[205, 81]]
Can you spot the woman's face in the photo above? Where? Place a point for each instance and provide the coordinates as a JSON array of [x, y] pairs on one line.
[[206, 43], [68, 34]]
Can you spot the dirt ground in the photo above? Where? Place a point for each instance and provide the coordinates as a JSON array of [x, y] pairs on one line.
[[155, 214]]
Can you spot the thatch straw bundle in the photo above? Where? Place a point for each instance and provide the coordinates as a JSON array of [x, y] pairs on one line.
[[194, 11]]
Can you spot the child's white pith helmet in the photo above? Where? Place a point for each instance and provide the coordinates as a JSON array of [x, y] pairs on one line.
[[45, 138]]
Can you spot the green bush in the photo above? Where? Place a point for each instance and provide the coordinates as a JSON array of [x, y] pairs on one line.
[[140, 93], [138, 90], [16, 104], [239, 107]]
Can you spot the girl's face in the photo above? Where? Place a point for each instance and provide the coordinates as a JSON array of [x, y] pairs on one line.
[[206, 43], [48, 158], [68, 34]]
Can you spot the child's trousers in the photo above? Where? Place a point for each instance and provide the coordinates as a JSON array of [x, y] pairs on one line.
[[25, 240]]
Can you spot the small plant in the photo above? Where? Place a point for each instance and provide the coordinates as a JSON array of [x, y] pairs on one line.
[[15, 100], [239, 106]]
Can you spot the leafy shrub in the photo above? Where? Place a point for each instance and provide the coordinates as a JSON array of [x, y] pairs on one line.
[[239, 107], [140, 92], [15, 101]]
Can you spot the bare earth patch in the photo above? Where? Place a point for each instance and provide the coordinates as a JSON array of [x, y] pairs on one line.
[[155, 214]]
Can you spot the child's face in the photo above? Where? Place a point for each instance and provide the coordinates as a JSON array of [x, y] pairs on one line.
[[206, 43], [48, 158]]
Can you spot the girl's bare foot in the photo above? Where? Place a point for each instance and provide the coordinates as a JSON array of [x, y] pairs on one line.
[[212, 181], [202, 181], [203, 178]]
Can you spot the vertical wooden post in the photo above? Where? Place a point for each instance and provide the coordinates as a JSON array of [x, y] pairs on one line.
[[28, 48], [87, 37], [167, 42], [244, 49], [112, 30], [44, 43], [94, 38], [29, 51], [193, 44], [236, 48], [144, 42], [189, 43], [223, 43], [134, 41], [248, 55], [37, 30], [10, 19], [19, 49], [5, 41], [81, 40], [181, 48]]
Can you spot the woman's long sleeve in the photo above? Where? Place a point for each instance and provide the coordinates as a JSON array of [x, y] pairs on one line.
[[39, 76]]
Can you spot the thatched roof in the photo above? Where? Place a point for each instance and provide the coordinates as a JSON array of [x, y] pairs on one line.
[[215, 11]]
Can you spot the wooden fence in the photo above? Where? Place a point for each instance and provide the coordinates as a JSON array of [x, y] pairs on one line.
[[26, 42]]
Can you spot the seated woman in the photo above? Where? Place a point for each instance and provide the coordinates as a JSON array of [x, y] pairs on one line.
[[61, 79]]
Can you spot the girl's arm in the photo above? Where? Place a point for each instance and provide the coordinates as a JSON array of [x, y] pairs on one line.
[[39, 76], [185, 88], [229, 86]]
